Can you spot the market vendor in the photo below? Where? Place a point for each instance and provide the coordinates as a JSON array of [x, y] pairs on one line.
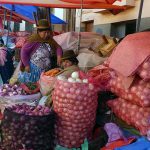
[[69, 65], [40, 53]]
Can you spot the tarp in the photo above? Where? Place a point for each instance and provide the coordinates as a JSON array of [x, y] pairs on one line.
[[98, 4], [27, 12]]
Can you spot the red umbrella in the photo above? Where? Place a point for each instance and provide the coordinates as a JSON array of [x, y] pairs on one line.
[[98, 4]]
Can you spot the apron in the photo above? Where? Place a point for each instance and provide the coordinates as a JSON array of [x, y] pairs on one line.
[[39, 62]]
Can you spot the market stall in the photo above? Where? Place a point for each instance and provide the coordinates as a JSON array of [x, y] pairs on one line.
[[73, 107]]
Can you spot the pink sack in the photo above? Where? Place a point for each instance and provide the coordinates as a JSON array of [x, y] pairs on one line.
[[132, 114], [144, 70], [138, 93], [75, 106]]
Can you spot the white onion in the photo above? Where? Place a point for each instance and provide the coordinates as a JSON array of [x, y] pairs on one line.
[[71, 80], [75, 75], [85, 80], [78, 80]]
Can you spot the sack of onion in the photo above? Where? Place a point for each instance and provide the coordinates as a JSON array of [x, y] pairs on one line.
[[138, 93], [28, 127], [144, 70], [132, 114], [75, 104]]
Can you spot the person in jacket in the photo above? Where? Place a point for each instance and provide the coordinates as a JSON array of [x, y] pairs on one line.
[[40, 53]]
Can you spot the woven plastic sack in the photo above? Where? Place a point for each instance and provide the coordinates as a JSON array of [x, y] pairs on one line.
[[138, 93], [144, 70], [101, 75], [75, 105], [21, 131], [46, 84], [131, 114]]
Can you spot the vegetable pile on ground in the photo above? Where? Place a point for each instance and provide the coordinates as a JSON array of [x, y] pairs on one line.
[[28, 127], [132, 114], [30, 88], [75, 105], [11, 90]]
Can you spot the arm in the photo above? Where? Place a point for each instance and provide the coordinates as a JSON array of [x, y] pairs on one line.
[[26, 52]]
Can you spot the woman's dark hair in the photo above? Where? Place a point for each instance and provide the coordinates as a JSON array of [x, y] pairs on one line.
[[74, 60]]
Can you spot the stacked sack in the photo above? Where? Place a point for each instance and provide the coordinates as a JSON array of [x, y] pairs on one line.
[[134, 115], [75, 105], [138, 93], [28, 127], [130, 81], [144, 70]]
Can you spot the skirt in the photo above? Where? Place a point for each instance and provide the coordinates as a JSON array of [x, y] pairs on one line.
[[32, 76]]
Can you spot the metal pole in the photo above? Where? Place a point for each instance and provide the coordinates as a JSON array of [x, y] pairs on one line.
[[9, 22], [139, 16], [4, 18], [79, 35]]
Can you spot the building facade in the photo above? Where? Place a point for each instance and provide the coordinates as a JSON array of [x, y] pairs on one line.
[[119, 25]]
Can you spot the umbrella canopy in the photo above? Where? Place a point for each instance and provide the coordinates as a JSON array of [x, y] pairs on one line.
[[98, 4], [14, 17], [26, 13]]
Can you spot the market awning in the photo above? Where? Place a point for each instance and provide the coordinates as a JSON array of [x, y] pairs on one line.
[[7, 14], [89, 4], [26, 13]]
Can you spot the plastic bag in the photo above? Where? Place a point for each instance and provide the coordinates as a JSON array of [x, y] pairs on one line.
[[46, 84]]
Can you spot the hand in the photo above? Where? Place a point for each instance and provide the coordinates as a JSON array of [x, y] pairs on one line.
[[58, 60], [27, 68]]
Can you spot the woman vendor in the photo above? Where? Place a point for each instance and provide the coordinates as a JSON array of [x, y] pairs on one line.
[[69, 64], [40, 53]]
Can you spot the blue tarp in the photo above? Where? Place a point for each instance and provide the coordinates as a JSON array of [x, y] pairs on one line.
[[27, 11]]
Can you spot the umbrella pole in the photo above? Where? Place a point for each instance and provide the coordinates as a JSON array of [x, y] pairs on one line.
[[79, 35], [9, 22], [139, 16], [4, 19]]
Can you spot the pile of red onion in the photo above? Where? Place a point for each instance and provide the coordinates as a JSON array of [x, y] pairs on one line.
[[134, 115], [28, 127], [138, 94], [75, 105], [11, 90], [31, 110], [144, 70]]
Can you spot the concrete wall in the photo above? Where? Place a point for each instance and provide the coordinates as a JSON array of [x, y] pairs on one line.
[[107, 17]]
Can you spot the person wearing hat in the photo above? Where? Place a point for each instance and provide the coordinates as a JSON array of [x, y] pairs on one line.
[[40, 53], [69, 63]]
